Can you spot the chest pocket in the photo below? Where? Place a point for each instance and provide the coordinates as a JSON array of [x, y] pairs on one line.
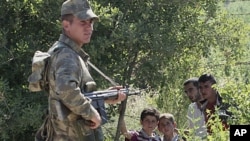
[[89, 84]]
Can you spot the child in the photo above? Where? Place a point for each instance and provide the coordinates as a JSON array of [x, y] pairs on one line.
[[167, 126], [149, 120]]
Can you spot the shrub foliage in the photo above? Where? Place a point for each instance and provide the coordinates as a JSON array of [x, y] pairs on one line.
[[148, 44]]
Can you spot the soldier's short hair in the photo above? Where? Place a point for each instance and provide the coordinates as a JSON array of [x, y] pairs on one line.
[[67, 17]]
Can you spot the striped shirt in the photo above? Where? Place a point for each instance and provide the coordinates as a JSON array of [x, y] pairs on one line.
[[142, 136], [175, 138]]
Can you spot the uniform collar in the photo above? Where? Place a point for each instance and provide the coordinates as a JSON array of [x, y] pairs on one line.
[[73, 45]]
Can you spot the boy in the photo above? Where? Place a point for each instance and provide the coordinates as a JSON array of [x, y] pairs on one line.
[[149, 120], [167, 126]]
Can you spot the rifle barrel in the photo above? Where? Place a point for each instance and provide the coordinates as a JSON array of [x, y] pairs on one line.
[[110, 93]]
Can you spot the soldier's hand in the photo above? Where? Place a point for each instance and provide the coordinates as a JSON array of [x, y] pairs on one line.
[[115, 87], [95, 121], [121, 96]]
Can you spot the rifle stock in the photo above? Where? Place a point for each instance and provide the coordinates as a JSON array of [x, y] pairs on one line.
[[98, 99]]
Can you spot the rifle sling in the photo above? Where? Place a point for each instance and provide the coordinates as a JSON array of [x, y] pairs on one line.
[[123, 103], [102, 74]]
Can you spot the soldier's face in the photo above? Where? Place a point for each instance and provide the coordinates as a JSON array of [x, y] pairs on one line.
[[79, 30], [192, 92]]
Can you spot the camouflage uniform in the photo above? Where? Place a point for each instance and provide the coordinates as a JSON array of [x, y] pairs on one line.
[[68, 79]]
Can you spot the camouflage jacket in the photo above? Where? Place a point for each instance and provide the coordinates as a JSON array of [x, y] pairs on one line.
[[68, 79]]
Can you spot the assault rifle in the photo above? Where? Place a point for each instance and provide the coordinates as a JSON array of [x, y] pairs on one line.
[[98, 99]]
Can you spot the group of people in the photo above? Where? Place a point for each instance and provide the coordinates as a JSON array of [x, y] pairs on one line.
[[71, 117], [205, 102], [151, 119]]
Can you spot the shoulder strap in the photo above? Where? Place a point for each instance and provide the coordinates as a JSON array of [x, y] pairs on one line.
[[53, 51], [102, 74], [85, 56]]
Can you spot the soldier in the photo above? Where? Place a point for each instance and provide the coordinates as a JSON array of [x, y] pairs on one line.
[[71, 116]]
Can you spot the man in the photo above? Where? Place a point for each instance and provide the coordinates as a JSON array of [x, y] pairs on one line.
[[71, 115], [196, 120], [212, 100], [191, 89]]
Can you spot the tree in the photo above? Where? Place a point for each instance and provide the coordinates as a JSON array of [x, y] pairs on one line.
[[148, 44]]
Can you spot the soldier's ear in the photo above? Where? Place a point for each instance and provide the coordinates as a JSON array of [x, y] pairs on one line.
[[65, 25], [175, 125]]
